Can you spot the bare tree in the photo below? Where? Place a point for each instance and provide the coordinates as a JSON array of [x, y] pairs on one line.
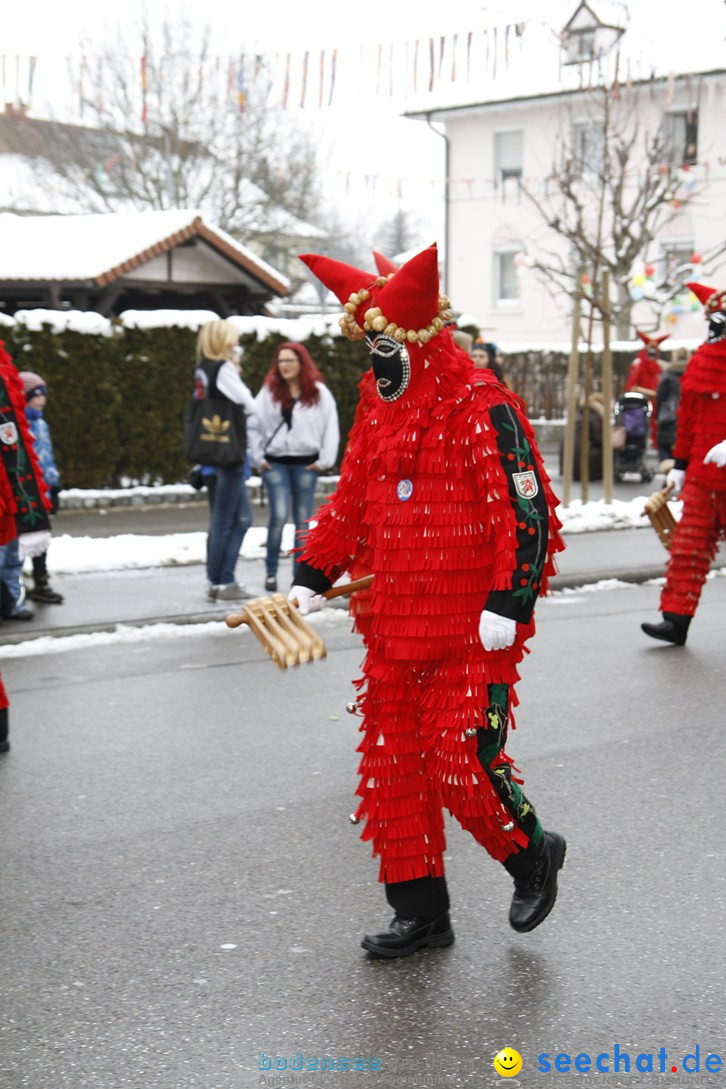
[[398, 234], [613, 189], [180, 127]]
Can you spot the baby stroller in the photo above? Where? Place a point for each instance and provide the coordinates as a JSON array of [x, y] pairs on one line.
[[632, 413]]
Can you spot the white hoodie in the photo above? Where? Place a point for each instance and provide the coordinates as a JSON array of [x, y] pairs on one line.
[[314, 429]]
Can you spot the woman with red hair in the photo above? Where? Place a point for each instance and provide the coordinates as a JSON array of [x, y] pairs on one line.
[[298, 437]]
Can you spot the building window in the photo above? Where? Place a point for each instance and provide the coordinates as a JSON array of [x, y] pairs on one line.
[[585, 37], [676, 266], [588, 145], [506, 281], [681, 137], [508, 163]]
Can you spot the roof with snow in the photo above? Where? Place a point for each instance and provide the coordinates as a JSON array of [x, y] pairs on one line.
[[118, 259]]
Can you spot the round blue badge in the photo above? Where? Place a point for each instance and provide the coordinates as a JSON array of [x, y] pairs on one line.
[[404, 490]]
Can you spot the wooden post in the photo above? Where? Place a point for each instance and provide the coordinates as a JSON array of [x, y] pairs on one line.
[[568, 447], [585, 432], [607, 392]]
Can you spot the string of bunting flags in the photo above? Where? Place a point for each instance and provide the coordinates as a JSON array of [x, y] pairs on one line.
[[403, 71], [304, 79]]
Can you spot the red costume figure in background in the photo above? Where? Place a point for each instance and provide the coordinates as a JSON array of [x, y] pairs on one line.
[[644, 375], [444, 498], [700, 470], [23, 499]]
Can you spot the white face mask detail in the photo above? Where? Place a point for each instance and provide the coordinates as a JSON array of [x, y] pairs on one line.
[[716, 327], [391, 366]]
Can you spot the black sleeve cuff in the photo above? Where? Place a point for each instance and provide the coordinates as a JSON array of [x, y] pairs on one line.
[[680, 463], [504, 603], [312, 577]]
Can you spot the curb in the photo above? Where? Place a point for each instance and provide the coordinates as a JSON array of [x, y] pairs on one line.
[[29, 633]]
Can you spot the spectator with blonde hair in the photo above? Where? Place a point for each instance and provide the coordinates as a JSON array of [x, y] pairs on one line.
[[217, 375]]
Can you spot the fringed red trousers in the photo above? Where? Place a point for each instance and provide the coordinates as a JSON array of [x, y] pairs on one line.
[[693, 548], [417, 759]]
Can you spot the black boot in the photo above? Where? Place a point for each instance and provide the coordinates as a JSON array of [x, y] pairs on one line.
[[672, 629], [43, 593], [535, 881], [405, 936]]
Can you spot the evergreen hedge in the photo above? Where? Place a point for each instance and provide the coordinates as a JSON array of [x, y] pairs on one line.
[[116, 403]]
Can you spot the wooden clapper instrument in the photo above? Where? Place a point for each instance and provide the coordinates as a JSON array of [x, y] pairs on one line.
[[283, 632]]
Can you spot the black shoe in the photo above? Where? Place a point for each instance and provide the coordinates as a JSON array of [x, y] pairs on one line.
[[672, 629], [535, 882], [405, 936], [45, 595], [271, 583], [4, 746]]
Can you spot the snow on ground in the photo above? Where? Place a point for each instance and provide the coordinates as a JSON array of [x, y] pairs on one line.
[[77, 555], [127, 633]]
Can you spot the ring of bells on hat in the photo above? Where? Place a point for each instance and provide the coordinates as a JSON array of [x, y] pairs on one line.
[[375, 321]]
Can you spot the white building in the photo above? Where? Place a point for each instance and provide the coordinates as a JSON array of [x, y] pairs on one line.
[[668, 71]]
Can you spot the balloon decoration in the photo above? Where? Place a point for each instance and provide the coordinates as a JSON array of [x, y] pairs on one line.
[[642, 284]]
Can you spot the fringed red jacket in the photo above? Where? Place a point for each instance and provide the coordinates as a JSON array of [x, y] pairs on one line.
[[702, 415], [444, 498]]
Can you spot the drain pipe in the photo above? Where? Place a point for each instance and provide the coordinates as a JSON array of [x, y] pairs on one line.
[[445, 138]]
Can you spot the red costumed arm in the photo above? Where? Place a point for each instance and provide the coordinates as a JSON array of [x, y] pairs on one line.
[[23, 495], [338, 540]]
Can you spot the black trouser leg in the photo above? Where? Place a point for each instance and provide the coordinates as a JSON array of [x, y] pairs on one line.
[[491, 739], [422, 898], [40, 569]]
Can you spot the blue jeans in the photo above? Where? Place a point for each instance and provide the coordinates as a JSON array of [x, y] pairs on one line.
[[283, 483], [11, 575], [231, 518]]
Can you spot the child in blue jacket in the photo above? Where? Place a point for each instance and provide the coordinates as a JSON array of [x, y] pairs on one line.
[[36, 395]]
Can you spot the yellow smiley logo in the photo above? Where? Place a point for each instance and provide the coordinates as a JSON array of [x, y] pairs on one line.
[[508, 1062]]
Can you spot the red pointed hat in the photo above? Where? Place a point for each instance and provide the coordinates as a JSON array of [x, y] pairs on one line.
[[384, 264], [405, 305], [711, 297], [648, 339]]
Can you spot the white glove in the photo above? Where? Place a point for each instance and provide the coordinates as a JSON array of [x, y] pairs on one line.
[[496, 632], [307, 600], [717, 455], [33, 544], [675, 479]]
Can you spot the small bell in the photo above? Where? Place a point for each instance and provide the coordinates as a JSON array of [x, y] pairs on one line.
[[508, 827], [352, 819], [470, 732], [352, 708]]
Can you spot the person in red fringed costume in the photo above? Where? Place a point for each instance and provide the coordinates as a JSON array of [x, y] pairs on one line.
[[23, 500], [444, 499], [700, 470], [645, 373]]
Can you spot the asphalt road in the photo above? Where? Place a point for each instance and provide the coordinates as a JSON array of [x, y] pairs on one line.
[[183, 896]]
